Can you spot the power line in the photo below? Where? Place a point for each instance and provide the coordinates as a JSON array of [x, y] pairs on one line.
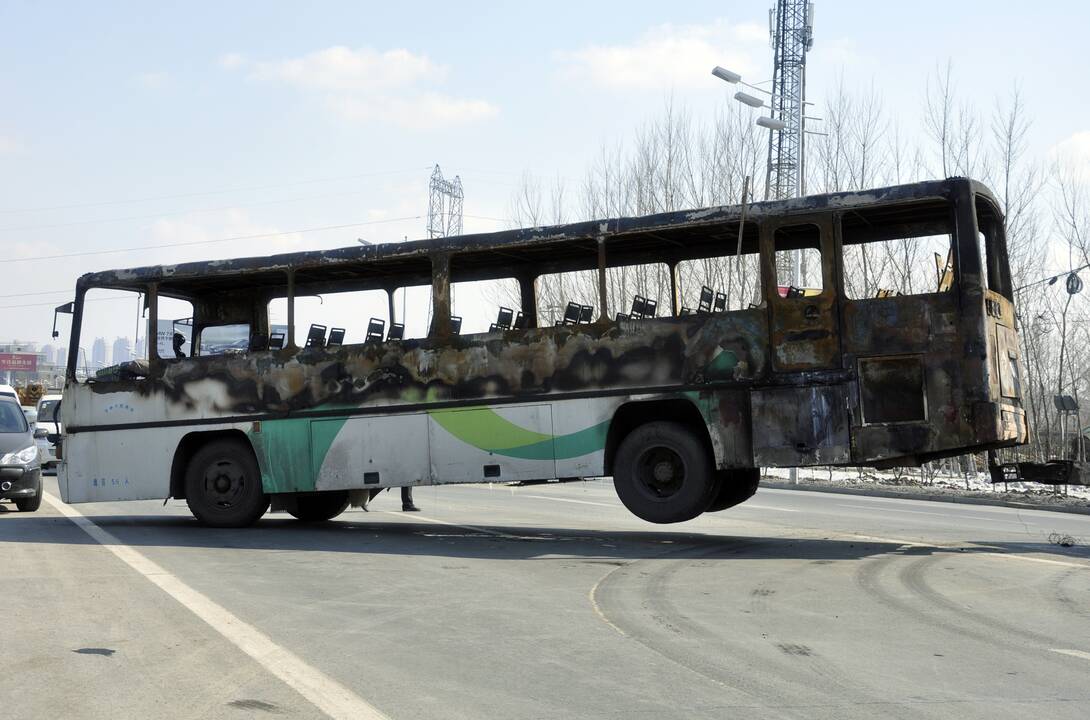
[[208, 242], [206, 193], [100, 221], [1051, 278], [41, 292], [53, 304]]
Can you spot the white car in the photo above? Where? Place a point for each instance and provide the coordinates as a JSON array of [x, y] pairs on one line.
[[9, 391], [46, 427]]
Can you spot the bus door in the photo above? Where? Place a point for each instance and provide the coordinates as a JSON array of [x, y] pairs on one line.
[[802, 418]]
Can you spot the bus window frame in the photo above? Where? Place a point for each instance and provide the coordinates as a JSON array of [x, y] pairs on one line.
[[955, 250]]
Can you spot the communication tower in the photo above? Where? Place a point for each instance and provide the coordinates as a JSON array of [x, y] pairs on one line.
[[444, 205], [791, 30]]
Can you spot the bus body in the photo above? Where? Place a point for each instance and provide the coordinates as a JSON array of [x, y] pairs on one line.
[[796, 378]]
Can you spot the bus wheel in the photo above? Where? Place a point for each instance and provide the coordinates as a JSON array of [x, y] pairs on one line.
[[223, 485], [663, 473], [735, 486], [319, 507]]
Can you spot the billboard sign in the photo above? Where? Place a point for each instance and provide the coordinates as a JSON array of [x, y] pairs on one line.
[[19, 362]]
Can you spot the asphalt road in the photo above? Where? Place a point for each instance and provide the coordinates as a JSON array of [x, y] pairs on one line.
[[548, 602]]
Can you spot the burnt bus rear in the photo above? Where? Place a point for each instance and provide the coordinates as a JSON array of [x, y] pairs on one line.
[[937, 374]]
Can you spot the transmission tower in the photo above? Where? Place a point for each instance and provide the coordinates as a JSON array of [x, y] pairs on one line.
[[791, 28], [444, 205]]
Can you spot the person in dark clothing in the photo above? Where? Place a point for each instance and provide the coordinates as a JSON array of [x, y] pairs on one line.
[[406, 499], [179, 340]]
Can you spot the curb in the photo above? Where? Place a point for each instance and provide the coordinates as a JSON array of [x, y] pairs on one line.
[[933, 497]]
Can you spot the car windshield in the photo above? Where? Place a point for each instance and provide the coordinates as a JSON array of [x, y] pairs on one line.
[[45, 410], [11, 418]]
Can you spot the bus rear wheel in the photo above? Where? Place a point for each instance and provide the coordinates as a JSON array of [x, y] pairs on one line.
[[319, 507], [223, 485], [735, 486], [664, 474]]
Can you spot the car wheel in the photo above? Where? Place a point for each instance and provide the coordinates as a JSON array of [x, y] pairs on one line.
[[663, 473], [319, 507], [735, 486], [223, 485], [30, 504]]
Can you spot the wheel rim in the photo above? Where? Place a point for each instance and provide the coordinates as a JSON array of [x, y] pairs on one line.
[[660, 473], [224, 483]]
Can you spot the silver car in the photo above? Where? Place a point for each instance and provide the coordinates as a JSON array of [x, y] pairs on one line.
[[20, 471]]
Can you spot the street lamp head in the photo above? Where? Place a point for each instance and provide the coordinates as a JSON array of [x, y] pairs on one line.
[[746, 99], [771, 123], [723, 74]]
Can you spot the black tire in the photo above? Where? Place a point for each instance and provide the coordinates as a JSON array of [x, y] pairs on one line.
[[319, 507], [30, 504], [664, 474], [735, 486], [223, 485]]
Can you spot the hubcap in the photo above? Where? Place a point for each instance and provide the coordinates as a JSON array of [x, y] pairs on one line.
[[660, 472], [224, 483]]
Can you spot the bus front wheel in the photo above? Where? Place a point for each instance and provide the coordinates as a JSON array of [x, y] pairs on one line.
[[319, 507], [223, 485], [664, 474]]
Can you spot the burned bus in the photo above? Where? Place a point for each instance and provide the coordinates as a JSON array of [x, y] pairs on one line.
[[680, 398]]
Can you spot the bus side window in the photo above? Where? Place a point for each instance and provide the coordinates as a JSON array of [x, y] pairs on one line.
[[413, 310], [885, 256], [175, 317], [224, 339], [725, 280], [995, 273], [478, 303], [559, 293], [638, 291], [798, 260], [113, 336]]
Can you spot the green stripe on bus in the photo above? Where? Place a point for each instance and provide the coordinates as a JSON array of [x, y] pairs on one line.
[[486, 430], [290, 452]]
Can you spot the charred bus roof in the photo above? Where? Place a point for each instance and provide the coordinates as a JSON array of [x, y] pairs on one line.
[[662, 237]]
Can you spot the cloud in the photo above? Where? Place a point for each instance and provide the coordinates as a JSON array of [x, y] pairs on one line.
[[342, 69], [678, 56], [1073, 150], [367, 85], [9, 145], [152, 80]]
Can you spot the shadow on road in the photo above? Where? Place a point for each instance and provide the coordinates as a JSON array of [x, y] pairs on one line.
[[404, 537]]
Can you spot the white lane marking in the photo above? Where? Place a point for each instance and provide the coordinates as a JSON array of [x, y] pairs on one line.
[[474, 528], [325, 693], [1073, 653], [570, 500], [975, 548], [753, 506], [592, 596], [969, 507], [948, 515]]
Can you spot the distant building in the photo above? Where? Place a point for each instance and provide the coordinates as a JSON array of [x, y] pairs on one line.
[[61, 357], [141, 348], [47, 353], [98, 354], [122, 351]]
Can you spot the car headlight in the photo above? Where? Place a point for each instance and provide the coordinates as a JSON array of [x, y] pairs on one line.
[[21, 457]]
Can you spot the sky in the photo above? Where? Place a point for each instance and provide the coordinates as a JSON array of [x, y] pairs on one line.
[[290, 126]]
